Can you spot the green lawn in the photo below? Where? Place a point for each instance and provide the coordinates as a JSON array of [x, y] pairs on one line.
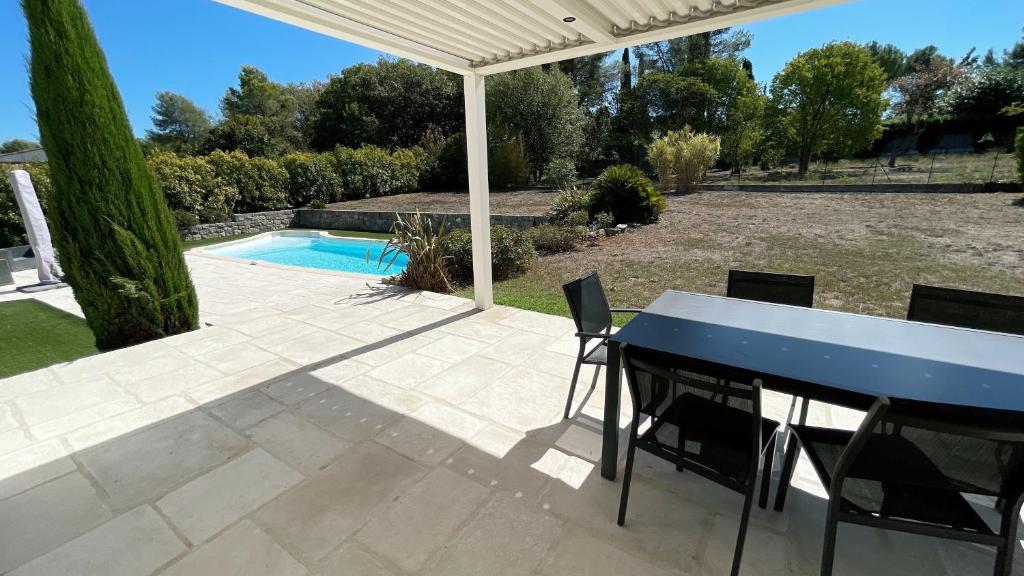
[[34, 335]]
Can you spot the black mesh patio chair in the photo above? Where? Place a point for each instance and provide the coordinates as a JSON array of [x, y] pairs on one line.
[[710, 425], [791, 289], [967, 309], [593, 317], [908, 468]]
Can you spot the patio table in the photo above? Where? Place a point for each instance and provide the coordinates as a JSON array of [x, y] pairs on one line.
[[835, 357]]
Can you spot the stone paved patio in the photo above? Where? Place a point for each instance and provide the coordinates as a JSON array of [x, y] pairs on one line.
[[327, 425]]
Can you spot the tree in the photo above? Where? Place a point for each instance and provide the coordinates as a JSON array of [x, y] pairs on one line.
[[392, 103], [830, 99], [1014, 57], [889, 58], [17, 145], [178, 124], [542, 107], [669, 55], [592, 78], [117, 242], [984, 93], [920, 88], [261, 117]]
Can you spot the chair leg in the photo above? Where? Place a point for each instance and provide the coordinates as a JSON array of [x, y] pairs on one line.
[[1004, 553], [748, 501], [572, 387], [828, 549], [766, 471], [628, 473], [792, 451]]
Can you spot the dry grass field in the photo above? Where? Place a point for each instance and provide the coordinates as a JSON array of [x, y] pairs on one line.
[[866, 250]]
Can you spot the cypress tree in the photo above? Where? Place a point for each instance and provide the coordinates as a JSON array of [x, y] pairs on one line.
[[115, 236]]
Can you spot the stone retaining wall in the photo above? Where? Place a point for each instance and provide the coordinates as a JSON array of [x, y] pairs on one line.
[[242, 224], [360, 220], [366, 221]]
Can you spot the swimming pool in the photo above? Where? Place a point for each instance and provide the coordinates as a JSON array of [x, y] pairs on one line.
[[313, 250]]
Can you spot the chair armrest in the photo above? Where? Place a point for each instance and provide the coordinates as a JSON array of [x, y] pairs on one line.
[[601, 335], [628, 310]]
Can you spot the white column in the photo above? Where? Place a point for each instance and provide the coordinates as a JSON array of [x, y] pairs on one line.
[[479, 189]]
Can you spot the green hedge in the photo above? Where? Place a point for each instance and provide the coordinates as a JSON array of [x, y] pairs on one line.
[[370, 171], [311, 178], [512, 253]]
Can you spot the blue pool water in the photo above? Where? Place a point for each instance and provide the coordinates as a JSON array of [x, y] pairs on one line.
[[342, 254]]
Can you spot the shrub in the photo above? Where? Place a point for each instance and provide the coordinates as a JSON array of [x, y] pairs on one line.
[[682, 158], [443, 161], [415, 237], [570, 200], [561, 172], [1019, 148], [624, 191], [317, 204], [184, 219], [554, 238], [577, 218], [118, 245], [261, 183], [512, 253], [604, 220], [507, 166], [188, 183], [311, 177], [370, 171]]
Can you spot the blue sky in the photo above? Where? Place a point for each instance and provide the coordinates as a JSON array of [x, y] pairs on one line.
[[196, 47]]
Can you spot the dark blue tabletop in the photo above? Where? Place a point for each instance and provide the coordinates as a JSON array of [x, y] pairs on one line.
[[852, 353]]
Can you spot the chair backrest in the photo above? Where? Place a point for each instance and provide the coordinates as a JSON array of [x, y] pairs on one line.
[[588, 304], [932, 446], [967, 309], [792, 289]]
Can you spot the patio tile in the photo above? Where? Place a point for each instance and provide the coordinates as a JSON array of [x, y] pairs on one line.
[[561, 366], [518, 348], [442, 501], [522, 399], [233, 359], [341, 371], [257, 325], [213, 501], [422, 443], [47, 516], [348, 560], [60, 401], [393, 398], [460, 382], [82, 418], [455, 422], [452, 348], [177, 377], [28, 383], [31, 466], [367, 331], [409, 370], [536, 322], [314, 347], [581, 553], [347, 415], [305, 447], [7, 420], [477, 329], [242, 550], [13, 440], [414, 317], [166, 362], [243, 411], [315, 516], [507, 538], [205, 339], [255, 376], [380, 355], [127, 422], [509, 472], [581, 441], [147, 464], [296, 387], [137, 542], [764, 551]]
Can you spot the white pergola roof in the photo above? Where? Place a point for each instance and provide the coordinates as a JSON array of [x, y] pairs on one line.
[[488, 36], [475, 38]]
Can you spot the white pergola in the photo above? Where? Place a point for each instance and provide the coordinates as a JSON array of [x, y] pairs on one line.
[[475, 38]]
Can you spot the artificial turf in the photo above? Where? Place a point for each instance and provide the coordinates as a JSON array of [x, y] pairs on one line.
[[34, 335]]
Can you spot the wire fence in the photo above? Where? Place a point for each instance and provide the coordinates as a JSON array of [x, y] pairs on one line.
[[939, 167]]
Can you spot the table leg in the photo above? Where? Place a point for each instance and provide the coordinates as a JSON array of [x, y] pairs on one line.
[[610, 445]]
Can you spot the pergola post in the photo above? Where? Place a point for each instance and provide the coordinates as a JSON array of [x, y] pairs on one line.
[[479, 189]]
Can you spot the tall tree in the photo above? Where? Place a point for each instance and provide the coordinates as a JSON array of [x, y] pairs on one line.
[[592, 77], [118, 244], [668, 55], [542, 107], [831, 100], [889, 58], [1014, 57], [178, 124], [261, 117], [17, 145], [390, 103]]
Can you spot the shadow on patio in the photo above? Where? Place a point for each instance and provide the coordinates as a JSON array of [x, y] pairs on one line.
[[428, 441]]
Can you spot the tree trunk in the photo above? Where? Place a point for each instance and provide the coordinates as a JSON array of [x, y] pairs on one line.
[[805, 160]]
